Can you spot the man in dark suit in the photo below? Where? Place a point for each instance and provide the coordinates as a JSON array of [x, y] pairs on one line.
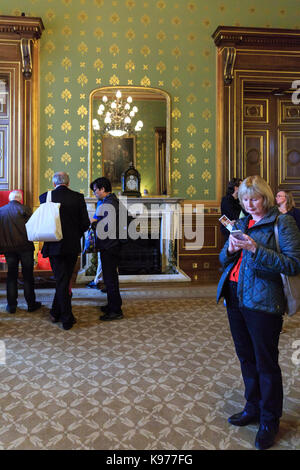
[[16, 248], [64, 253]]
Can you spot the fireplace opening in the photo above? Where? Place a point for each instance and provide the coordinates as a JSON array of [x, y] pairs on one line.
[[142, 256]]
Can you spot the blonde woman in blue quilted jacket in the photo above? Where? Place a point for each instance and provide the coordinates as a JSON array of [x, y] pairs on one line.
[[252, 287]]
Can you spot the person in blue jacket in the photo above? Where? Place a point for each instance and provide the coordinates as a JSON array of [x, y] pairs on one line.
[[286, 204], [96, 282], [252, 287]]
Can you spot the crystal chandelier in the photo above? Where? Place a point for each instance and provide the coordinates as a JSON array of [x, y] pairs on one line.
[[118, 116]]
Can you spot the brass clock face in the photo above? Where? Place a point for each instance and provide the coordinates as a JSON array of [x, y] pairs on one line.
[[132, 183]]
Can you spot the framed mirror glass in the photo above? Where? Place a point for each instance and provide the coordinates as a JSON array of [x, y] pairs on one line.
[[146, 145]]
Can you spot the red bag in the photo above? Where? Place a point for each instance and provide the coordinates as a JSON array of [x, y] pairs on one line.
[[43, 263]]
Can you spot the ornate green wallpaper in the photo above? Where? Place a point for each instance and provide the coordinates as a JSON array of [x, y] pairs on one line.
[[161, 43]]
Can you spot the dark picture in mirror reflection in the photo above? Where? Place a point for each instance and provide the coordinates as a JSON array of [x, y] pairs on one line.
[[117, 154]]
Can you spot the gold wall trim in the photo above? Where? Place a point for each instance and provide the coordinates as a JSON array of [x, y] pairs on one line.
[[35, 123]]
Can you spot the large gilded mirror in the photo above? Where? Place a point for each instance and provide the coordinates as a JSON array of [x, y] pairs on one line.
[[143, 115]]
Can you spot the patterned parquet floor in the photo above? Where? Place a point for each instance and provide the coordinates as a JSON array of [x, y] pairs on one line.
[[165, 377]]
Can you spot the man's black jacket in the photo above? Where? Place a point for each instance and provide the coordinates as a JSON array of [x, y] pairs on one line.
[[13, 235], [74, 221]]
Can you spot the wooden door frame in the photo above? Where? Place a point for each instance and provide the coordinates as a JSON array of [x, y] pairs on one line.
[[19, 53], [265, 55]]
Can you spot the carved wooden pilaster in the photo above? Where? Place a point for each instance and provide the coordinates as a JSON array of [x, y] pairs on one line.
[[230, 55], [25, 46]]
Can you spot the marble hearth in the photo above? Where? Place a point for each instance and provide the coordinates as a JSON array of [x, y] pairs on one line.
[[163, 215]]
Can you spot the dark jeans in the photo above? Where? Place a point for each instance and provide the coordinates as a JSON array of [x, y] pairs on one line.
[[110, 261], [12, 260], [62, 267], [256, 337]]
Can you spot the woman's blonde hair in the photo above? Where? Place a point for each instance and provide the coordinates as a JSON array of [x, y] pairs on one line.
[[256, 185]]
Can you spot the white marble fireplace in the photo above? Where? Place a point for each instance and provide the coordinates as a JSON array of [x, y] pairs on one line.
[[164, 215]]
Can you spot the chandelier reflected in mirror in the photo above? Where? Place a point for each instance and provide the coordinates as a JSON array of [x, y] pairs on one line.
[[117, 116]]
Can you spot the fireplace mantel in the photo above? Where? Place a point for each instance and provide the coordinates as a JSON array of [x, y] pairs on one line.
[[168, 210], [142, 200]]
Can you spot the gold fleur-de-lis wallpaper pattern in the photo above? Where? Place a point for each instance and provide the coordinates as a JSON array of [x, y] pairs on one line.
[[164, 44]]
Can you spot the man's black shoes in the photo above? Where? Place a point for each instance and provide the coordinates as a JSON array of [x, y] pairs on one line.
[[265, 437], [243, 418], [108, 315], [111, 316], [31, 308], [34, 307], [69, 325], [10, 309]]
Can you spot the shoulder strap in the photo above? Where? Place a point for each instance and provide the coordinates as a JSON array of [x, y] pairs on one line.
[[276, 234], [49, 198]]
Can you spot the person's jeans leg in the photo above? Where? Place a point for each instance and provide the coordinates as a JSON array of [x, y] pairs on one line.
[[27, 263], [244, 349], [265, 329], [110, 260], [12, 260], [98, 275]]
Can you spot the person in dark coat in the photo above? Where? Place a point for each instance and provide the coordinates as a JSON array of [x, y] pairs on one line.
[[230, 204], [255, 302], [16, 248], [63, 254], [109, 245], [286, 204]]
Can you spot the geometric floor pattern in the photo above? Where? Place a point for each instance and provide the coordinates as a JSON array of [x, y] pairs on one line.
[[165, 377]]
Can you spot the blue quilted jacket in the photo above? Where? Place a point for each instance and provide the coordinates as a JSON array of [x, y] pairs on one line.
[[259, 283]]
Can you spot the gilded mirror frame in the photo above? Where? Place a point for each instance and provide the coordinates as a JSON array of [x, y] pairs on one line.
[[132, 90]]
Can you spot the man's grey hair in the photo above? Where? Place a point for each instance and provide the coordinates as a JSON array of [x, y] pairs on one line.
[[15, 196], [60, 178]]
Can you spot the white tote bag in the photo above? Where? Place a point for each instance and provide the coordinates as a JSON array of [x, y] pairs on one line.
[[44, 225]]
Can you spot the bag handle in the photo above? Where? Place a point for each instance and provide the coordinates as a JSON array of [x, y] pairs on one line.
[[49, 197]]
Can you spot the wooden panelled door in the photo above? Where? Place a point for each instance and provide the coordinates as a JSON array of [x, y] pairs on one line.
[[258, 125], [271, 139]]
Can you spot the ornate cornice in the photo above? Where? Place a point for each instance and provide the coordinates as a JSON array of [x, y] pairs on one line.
[[19, 27], [230, 36]]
